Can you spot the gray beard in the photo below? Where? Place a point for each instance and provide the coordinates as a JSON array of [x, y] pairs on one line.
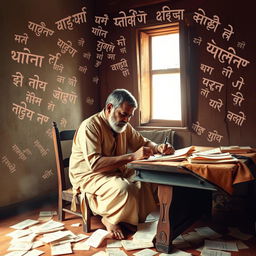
[[114, 125]]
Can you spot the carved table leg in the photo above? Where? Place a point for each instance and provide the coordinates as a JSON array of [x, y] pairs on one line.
[[164, 236]]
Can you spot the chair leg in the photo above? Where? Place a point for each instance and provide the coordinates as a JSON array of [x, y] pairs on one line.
[[87, 221], [61, 213]]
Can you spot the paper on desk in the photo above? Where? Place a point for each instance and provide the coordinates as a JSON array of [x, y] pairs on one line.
[[179, 154], [176, 252], [146, 231], [207, 232], [58, 249], [221, 245], [24, 224], [209, 252], [134, 245], [235, 232], [145, 252], [115, 252], [34, 253], [97, 237]]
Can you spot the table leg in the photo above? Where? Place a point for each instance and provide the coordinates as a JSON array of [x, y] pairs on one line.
[[164, 238]]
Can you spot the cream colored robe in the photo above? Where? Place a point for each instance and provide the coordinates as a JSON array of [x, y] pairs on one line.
[[113, 195]]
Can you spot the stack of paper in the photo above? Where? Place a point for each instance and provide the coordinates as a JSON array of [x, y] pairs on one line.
[[212, 158], [178, 155], [236, 149]]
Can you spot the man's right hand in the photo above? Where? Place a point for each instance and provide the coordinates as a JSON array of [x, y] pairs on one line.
[[142, 153]]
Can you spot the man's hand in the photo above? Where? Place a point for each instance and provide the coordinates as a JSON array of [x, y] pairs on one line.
[[142, 153], [165, 149]]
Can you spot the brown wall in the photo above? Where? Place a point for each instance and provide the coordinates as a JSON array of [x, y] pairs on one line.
[[210, 118], [27, 160]]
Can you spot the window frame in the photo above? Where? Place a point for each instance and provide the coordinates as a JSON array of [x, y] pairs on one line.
[[144, 75]]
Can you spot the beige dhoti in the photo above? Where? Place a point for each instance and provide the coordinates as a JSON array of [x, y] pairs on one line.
[[118, 199]]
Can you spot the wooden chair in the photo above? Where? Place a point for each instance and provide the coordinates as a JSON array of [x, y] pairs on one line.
[[65, 194]]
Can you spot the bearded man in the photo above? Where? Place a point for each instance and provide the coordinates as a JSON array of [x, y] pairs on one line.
[[98, 164]]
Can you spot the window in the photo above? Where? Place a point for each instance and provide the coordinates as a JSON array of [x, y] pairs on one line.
[[161, 70]]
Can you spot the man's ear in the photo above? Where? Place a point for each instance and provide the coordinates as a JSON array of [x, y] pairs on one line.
[[109, 107]]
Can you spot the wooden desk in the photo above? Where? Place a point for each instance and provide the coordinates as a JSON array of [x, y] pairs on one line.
[[183, 197]]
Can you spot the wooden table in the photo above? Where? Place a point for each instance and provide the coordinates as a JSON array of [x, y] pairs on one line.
[[183, 196]]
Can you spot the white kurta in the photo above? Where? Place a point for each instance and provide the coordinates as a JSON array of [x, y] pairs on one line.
[[113, 195]]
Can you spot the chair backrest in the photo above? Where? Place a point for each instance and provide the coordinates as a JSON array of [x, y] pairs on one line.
[[61, 163], [158, 136]]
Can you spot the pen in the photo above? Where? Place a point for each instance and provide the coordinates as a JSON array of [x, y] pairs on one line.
[[165, 140]]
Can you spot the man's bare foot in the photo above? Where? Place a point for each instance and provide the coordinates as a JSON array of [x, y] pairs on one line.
[[115, 230]]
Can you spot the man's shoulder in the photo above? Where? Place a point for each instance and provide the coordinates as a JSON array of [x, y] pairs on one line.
[[92, 121]]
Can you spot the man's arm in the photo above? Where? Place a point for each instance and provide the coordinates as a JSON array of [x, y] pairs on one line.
[[109, 163], [166, 149]]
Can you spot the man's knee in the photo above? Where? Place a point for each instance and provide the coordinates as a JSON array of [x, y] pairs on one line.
[[122, 186]]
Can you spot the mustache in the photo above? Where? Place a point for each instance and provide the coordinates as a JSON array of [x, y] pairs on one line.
[[122, 124]]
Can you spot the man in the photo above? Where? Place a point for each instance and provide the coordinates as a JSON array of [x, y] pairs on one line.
[[98, 164]]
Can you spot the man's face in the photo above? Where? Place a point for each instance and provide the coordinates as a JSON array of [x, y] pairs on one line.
[[119, 117]]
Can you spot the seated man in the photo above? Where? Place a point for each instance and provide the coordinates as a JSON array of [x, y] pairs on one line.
[[98, 164]]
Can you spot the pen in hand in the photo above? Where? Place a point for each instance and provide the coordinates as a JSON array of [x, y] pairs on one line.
[[165, 144]]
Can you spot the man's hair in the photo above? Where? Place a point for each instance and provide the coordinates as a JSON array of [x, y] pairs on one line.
[[119, 96]]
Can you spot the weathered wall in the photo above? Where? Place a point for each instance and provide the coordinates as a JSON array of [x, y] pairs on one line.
[[38, 88]]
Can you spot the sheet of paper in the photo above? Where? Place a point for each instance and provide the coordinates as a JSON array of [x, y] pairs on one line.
[[16, 253], [81, 246], [50, 237], [21, 246], [34, 253], [28, 238], [47, 227], [145, 252], [76, 225], [100, 253], [180, 243], [44, 218], [241, 245], [236, 233], [146, 231], [19, 233], [207, 232], [37, 244], [59, 249], [153, 216], [24, 224], [193, 237], [115, 252], [97, 237], [209, 252], [134, 245], [112, 243], [80, 237], [176, 252], [45, 213], [221, 245]]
